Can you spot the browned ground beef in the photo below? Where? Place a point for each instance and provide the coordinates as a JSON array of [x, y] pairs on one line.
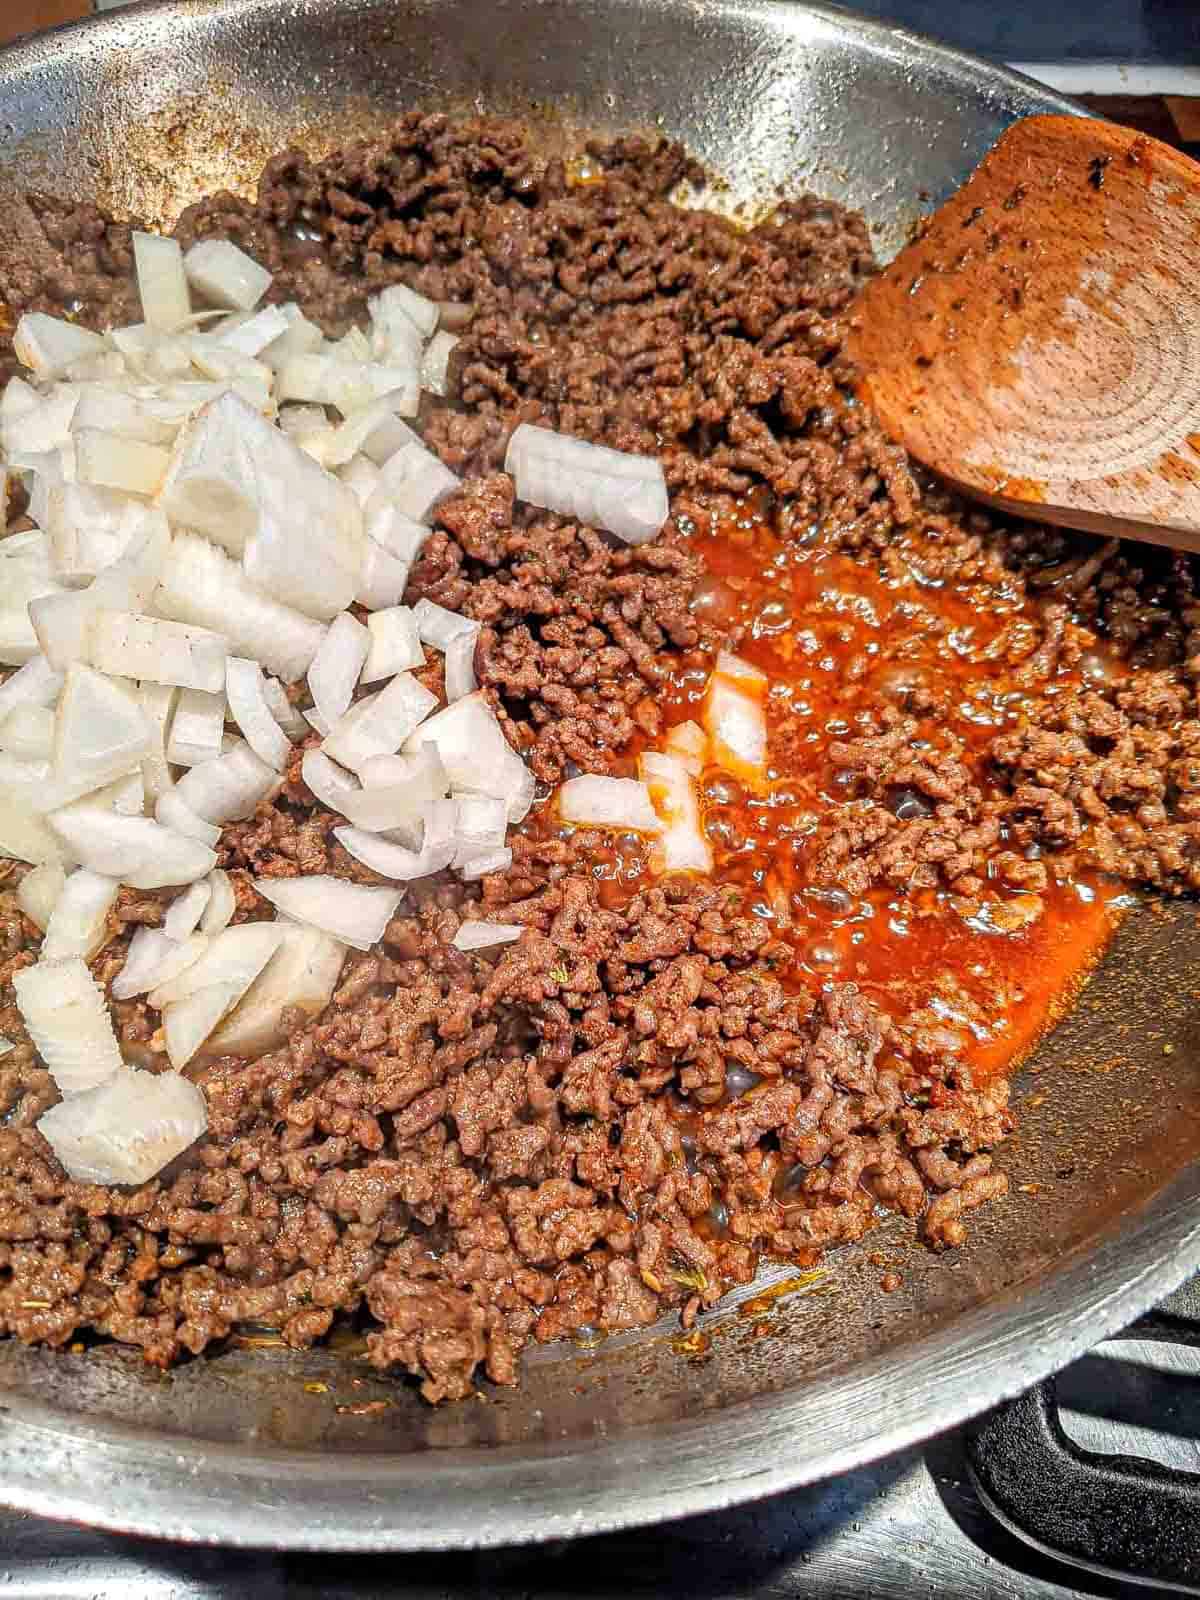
[[620, 1114]]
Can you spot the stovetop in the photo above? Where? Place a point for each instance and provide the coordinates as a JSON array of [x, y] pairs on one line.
[[1105, 1460]]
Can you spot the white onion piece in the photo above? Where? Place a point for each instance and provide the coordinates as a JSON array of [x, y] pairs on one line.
[[235, 955], [459, 666], [382, 579], [682, 845], [300, 338], [393, 860], [225, 275], [360, 475], [222, 902], [328, 782], [436, 363], [255, 333], [79, 922], [44, 426], [617, 803], [154, 958], [398, 796], [24, 835], [394, 645], [439, 627], [399, 535], [735, 719], [65, 1015], [355, 913], [48, 345], [62, 621], [34, 683], [415, 481], [399, 301], [248, 707], [158, 701], [481, 866], [351, 384], [381, 723], [688, 743], [38, 892], [100, 729], [127, 1129], [476, 755], [200, 584], [111, 410], [126, 796], [337, 664], [184, 912], [87, 530], [27, 732], [176, 814], [229, 788], [484, 935], [612, 489], [300, 976], [166, 302], [197, 728], [288, 561], [141, 853], [132, 645], [112, 461], [17, 399], [299, 420], [374, 431], [481, 826], [289, 717]]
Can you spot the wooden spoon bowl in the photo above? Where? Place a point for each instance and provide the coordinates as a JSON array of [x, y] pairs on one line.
[[1039, 343]]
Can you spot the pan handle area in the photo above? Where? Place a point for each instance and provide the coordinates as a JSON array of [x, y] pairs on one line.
[[1122, 1516]]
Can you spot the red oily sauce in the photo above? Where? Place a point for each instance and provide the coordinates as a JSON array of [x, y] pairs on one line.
[[982, 976]]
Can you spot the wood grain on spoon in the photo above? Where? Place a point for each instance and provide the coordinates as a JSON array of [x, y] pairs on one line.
[[1039, 343]]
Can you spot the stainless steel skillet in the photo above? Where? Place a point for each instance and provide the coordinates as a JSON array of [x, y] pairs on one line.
[[144, 111]]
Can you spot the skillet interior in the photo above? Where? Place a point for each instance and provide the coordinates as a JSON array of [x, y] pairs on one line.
[[147, 111]]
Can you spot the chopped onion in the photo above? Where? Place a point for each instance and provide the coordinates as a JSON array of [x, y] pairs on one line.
[[618, 803], [337, 664], [381, 723], [158, 701], [200, 584], [166, 303], [317, 576], [225, 275], [481, 826], [439, 627], [355, 913], [111, 410], [688, 743], [459, 665], [612, 489], [175, 813], [255, 333], [735, 719], [114, 462], [382, 579], [393, 860], [79, 922], [476, 755], [394, 645], [300, 976], [62, 621], [288, 716], [229, 788], [184, 912], [100, 729], [48, 345], [132, 645], [38, 892], [141, 853], [222, 902], [233, 956], [248, 707], [682, 845], [87, 530], [197, 729], [483, 935], [44, 426], [36, 683], [126, 796], [415, 482], [480, 866], [436, 363], [361, 477], [153, 958], [299, 420], [127, 1129], [374, 431], [27, 732], [300, 338], [23, 832], [398, 795], [328, 782], [398, 300], [65, 1015]]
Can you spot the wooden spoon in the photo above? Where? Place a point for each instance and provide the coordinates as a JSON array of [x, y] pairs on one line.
[[1039, 343]]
